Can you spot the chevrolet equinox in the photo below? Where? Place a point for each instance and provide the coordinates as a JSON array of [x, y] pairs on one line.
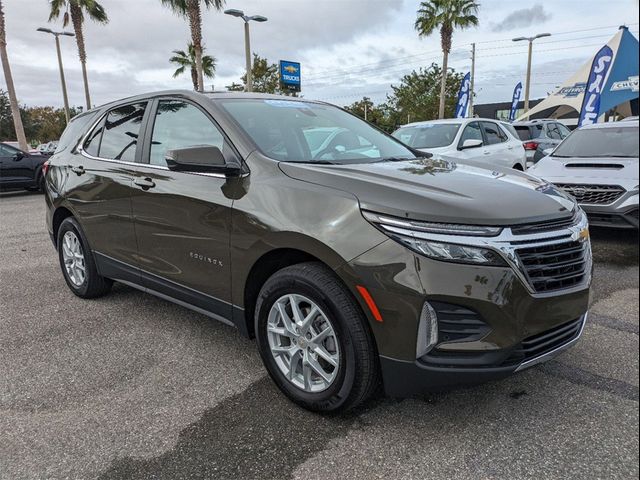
[[354, 260]]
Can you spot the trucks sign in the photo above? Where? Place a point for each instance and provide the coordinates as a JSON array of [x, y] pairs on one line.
[[290, 76]]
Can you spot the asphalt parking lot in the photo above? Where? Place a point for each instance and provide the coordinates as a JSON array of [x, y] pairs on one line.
[[130, 386]]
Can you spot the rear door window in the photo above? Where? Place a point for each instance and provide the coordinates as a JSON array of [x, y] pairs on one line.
[[553, 132], [493, 133], [564, 131], [116, 138]]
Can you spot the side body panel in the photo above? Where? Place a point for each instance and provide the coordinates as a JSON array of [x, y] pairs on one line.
[[274, 211]]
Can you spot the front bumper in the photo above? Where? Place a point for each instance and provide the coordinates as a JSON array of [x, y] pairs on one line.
[[406, 378], [623, 213], [488, 318]]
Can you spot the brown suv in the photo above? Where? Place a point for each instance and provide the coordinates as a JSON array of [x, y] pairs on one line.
[[350, 257]]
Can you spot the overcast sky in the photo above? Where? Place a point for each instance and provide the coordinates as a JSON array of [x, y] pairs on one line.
[[348, 48]]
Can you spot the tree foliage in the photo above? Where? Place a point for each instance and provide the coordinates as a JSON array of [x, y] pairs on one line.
[[186, 61], [416, 98], [265, 78], [41, 124]]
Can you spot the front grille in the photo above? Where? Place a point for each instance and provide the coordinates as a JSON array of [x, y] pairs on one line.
[[555, 267], [547, 341], [538, 227], [593, 194]]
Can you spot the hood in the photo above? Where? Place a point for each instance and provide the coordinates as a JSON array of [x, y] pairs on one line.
[[597, 170], [441, 191]]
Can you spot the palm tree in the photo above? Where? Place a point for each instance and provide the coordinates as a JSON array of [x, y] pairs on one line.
[[13, 100], [192, 11], [187, 60], [445, 15], [76, 10]]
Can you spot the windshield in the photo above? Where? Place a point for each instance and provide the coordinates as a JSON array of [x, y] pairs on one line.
[[295, 131], [429, 135], [600, 142]]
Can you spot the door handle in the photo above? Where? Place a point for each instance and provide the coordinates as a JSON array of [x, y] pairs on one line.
[[144, 183], [486, 153], [78, 170]]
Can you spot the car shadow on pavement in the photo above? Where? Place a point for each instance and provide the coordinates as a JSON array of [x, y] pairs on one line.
[[256, 434], [18, 193]]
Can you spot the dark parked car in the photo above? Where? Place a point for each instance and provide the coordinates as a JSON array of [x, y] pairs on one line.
[[540, 135], [20, 169], [358, 262]]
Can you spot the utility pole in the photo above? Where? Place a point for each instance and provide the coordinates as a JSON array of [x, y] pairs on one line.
[[473, 77], [365, 111], [247, 54]]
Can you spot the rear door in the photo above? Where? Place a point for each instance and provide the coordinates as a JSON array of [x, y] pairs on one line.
[[183, 219], [496, 150], [99, 187]]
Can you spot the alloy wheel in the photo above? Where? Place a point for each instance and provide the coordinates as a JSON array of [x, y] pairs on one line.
[[73, 258], [303, 343]]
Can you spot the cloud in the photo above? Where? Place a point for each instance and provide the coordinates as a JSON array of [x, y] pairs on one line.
[[525, 17]]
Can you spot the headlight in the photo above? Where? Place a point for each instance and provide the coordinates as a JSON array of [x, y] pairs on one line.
[[410, 233], [430, 227], [450, 252]]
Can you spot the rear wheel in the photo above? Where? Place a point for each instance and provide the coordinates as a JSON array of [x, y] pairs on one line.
[[314, 340], [77, 263]]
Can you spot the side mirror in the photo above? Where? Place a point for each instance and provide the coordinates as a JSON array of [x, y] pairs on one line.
[[471, 143], [547, 151], [18, 156], [199, 158]]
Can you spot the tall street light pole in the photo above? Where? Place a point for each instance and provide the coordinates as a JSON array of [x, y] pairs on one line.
[[527, 87], [247, 40], [62, 80]]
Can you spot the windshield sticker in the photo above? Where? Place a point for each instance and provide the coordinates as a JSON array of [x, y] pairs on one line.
[[287, 104]]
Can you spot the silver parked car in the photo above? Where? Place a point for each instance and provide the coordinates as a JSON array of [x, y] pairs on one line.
[[539, 135], [598, 165]]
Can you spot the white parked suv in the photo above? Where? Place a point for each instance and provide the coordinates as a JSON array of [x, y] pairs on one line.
[[467, 139]]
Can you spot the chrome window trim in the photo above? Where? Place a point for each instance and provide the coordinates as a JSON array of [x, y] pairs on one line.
[[506, 244], [81, 151]]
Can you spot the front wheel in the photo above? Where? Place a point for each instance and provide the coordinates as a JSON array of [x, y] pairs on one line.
[[314, 340]]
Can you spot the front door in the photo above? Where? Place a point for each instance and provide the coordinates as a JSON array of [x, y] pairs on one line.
[[182, 219], [15, 166]]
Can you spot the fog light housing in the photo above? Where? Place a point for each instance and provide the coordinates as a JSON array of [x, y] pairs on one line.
[[427, 330]]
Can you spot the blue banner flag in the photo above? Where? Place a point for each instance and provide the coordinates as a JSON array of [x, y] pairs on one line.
[[463, 97], [514, 102], [591, 104]]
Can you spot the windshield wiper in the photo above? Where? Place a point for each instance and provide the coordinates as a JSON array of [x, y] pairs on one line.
[[316, 162]]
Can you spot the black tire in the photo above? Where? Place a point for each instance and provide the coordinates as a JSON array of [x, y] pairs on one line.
[[518, 167], [93, 285], [358, 371]]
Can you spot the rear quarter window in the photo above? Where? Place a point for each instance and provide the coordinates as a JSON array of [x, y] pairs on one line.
[[76, 129]]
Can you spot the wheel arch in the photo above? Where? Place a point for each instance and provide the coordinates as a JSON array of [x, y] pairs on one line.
[[273, 259], [58, 217]]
